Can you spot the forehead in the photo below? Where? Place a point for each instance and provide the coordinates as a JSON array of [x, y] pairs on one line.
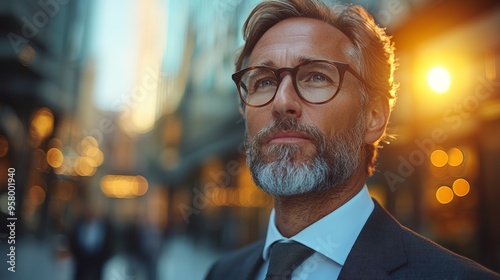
[[288, 41]]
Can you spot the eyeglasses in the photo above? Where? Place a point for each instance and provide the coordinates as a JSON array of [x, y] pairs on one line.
[[315, 81]]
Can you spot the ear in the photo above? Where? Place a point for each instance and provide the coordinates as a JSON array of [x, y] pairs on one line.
[[376, 117]]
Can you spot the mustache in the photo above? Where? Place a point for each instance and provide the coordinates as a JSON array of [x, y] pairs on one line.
[[252, 145], [288, 124]]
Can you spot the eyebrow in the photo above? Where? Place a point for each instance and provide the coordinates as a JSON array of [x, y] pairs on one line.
[[299, 59], [303, 58], [267, 62]]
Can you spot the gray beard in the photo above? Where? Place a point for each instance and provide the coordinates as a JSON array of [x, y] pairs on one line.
[[331, 167]]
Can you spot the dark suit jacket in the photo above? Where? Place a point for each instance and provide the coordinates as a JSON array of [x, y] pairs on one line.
[[384, 249]]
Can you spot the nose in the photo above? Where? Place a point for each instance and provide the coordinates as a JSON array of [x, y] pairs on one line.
[[287, 102]]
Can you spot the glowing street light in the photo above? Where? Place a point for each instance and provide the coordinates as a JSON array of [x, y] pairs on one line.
[[439, 79]]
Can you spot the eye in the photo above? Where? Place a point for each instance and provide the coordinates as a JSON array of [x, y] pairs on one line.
[[265, 83], [318, 78]]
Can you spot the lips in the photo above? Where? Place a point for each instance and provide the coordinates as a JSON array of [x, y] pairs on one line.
[[286, 137]]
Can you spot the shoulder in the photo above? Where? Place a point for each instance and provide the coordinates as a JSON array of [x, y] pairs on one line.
[[429, 259], [238, 264], [426, 259]]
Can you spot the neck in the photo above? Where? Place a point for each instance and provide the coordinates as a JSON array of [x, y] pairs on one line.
[[295, 213]]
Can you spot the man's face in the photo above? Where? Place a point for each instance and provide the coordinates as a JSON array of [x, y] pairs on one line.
[[295, 133]]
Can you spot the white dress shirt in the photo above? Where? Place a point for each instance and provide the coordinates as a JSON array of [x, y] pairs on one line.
[[332, 237]]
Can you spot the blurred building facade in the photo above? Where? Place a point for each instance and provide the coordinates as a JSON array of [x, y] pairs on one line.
[[440, 174], [41, 53], [168, 156]]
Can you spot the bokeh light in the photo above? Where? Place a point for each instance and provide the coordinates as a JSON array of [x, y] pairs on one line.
[[439, 158], [36, 195], [41, 126], [444, 195], [84, 166], [121, 186], [456, 157], [55, 157], [439, 79], [26, 55], [88, 141], [461, 187]]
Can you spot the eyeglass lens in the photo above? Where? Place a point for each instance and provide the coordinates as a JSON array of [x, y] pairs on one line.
[[316, 82]]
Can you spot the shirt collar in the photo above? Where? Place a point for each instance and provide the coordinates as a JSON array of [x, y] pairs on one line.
[[333, 235]]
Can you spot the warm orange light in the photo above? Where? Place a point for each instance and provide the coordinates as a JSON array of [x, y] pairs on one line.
[[91, 151], [55, 157], [98, 158], [41, 126], [139, 185], [121, 186], [439, 158], [240, 196], [444, 195], [89, 141], [106, 185], [461, 187], [456, 157], [26, 55], [36, 195], [439, 79], [84, 166]]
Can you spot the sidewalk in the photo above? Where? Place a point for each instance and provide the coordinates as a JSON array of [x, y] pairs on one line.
[[34, 260], [181, 258]]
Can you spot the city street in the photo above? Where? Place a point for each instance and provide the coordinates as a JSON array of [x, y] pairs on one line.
[[36, 259]]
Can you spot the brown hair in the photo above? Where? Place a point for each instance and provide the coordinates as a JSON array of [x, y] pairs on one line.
[[371, 51]]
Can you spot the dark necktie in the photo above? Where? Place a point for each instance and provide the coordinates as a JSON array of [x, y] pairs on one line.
[[285, 258]]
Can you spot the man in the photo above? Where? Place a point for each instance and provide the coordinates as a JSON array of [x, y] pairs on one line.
[[316, 85]]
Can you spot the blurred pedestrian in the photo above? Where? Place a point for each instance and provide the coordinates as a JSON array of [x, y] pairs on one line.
[[91, 244], [151, 245], [127, 263]]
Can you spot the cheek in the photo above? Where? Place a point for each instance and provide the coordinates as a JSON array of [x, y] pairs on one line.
[[255, 120], [338, 120]]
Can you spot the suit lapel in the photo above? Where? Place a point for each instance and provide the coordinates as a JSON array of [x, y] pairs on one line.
[[252, 262], [378, 250]]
